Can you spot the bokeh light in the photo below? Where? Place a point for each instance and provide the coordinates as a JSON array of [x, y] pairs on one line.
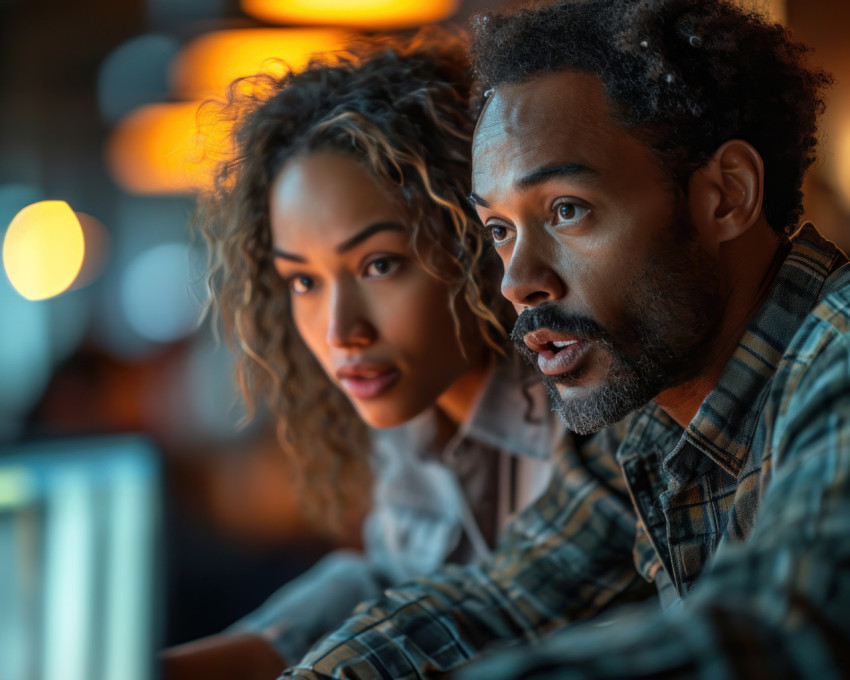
[[207, 65], [371, 14], [96, 238], [166, 149], [172, 12], [25, 352], [134, 74], [156, 293], [25, 357], [43, 249]]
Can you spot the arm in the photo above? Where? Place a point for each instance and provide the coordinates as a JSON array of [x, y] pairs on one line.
[[227, 655], [283, 628], [566, 558], [777, 606]]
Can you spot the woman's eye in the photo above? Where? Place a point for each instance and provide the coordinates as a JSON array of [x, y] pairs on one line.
[[569, 212], [382, 266], [301, 284], [497, 233]]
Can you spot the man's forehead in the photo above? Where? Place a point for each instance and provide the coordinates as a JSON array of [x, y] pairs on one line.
[[527, 124], [545, 100]]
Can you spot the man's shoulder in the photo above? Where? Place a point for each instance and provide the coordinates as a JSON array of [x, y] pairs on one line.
[[834, 306], [814, 373], [825, 289], [827, 325]]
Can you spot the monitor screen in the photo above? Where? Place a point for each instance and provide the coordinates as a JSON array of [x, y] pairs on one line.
[[79, 563]]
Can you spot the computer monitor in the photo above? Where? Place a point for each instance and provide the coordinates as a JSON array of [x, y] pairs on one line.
[[80, 582]]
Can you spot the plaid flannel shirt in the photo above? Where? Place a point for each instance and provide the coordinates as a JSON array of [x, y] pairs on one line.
[[742, 521], [432, 504]]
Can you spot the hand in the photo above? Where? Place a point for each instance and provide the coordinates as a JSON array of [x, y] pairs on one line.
[[227, 655]]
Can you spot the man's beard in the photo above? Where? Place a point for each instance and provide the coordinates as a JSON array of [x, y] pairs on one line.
[[662, 337]]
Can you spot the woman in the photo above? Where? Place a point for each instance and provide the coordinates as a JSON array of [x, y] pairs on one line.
[[349, 268]]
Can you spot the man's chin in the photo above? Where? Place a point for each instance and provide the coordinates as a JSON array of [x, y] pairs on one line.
[[585, 410]]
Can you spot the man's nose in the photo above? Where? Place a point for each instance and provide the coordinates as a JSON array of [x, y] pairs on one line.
[[348, 319], [530, 277]]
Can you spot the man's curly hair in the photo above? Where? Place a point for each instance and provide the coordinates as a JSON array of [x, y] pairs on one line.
[[400, 107], [683, 76]]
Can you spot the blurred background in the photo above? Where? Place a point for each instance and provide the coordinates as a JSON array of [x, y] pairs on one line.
[[101, 355]]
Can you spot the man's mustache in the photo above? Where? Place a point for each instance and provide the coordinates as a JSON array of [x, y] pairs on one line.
[[548, 315]]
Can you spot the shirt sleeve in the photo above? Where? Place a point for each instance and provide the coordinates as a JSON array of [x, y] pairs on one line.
[[775, 606], [319, 600], [566, 558]]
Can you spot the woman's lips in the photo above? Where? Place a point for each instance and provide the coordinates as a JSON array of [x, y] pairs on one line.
[[367, 382]]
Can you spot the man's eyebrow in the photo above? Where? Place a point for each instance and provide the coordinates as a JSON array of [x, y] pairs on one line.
[[348, 244], [565, 170], [570, 170]]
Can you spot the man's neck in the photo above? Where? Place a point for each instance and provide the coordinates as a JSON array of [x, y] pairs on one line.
[[748, 266]]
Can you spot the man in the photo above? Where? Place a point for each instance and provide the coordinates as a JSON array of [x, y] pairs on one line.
[[638, 166]]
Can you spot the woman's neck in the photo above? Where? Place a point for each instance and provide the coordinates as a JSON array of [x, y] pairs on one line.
[[458, 401]]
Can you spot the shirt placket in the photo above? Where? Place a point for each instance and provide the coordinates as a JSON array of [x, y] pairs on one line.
[[695, 511], [646, 487]]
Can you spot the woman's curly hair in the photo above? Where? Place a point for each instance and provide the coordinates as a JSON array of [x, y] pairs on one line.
[[684, 76], [399, 106]]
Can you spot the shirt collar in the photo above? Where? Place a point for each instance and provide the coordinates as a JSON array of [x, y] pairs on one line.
[[724, 426], [513, 413]]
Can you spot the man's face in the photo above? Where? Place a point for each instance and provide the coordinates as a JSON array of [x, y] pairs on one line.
[[617, 299]]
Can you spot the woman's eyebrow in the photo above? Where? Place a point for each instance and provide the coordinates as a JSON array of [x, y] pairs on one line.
[[366, 233], [277, 253], [346, 245]]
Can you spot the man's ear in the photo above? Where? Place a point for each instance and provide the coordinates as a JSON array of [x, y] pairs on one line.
[[726, 194]]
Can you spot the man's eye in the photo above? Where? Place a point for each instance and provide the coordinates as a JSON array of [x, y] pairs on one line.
[[300, 284], [569, 212]]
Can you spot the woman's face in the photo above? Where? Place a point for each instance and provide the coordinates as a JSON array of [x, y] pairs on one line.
[[376, 320]]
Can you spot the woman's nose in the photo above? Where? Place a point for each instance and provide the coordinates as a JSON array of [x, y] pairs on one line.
[[348, 323]]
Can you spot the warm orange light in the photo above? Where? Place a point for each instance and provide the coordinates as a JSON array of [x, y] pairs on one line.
[[166, 149], [840, 174], [206, 66], [775, 9], [43, 249], [370, 14], [778, 10]]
